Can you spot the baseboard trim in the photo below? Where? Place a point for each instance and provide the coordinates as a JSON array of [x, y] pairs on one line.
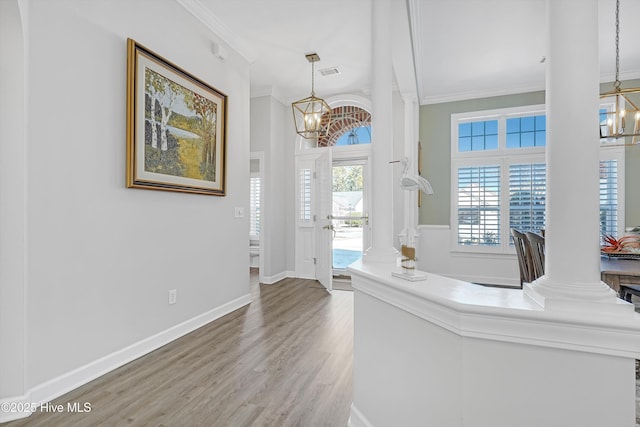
[[69, 381], [357, 418], [270, 280], [16, 407]]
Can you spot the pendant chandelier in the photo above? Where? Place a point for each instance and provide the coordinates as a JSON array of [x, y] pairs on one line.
[[619, 114], [311, 115]]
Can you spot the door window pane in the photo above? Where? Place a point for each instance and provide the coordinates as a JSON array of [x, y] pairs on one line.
[[347, 211]]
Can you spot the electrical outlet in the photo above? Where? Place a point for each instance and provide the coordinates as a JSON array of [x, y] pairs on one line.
[[173, 296]]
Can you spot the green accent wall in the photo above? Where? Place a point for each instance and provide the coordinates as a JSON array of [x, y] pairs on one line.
[[435, 137]]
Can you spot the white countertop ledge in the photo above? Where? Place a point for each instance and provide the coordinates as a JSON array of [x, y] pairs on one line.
[[499, 314]]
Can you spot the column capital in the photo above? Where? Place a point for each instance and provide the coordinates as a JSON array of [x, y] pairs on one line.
[[409, 97]]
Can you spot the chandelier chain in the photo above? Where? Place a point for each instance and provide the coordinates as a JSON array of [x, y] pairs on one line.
[[313, 66], [617, 82]]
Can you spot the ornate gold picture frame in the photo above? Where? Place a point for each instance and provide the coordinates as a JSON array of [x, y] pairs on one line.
[[176, 127]]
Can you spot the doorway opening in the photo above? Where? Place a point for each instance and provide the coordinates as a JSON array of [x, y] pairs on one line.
[[256, 191], [348, 213], [331, 217]]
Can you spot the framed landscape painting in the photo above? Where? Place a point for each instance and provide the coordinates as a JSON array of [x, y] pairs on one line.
[[176, 127]]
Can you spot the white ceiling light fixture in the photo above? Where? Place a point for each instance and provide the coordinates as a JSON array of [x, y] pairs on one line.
[[311, 115], [622, 116]]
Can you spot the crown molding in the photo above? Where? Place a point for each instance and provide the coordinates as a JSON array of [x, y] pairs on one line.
[[462, 96], [204, 15], [627, 75], [269, 91]]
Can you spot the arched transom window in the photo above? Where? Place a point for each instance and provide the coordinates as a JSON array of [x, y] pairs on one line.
[[350, 125]]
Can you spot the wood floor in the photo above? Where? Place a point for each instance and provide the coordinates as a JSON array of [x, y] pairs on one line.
[[285, 360]]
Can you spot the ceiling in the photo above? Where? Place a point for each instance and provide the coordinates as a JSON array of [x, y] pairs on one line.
[[445, 49]]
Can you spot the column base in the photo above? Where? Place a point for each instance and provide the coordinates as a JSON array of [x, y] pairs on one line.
[[577, 297], [381, 256]]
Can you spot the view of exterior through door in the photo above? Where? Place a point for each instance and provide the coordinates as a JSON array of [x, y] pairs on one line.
[[348, 213], [332, 227]]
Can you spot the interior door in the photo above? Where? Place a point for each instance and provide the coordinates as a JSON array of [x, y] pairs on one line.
[[323, 224]]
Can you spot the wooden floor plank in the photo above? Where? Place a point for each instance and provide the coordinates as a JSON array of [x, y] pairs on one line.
[[285, 360]]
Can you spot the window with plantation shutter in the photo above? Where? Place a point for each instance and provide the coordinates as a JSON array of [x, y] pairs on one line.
[[479, 205], [527, 196], [499, 179], [609, 197], [304, 182], [254, 206]]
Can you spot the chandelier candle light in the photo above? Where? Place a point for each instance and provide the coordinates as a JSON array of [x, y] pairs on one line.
[[622, 116], [311, 115]]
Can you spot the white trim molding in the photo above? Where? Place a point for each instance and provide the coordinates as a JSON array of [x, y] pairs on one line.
[[357, 418], [270, 280], [478, 94], [204, 15], [16, 407], [349, 99]]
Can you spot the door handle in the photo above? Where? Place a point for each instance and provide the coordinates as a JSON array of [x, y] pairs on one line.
[[328, 227]]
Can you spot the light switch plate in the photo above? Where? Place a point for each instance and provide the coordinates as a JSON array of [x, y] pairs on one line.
[[239, 212]]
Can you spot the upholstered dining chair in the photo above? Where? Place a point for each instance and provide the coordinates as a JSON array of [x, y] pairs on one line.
[[536, 242], [523, 250]]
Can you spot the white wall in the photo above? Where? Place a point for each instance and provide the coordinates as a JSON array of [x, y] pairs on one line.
[[12, 211], [277, 197], [289, 139], [271, 135], [100, 258], [435, 256]]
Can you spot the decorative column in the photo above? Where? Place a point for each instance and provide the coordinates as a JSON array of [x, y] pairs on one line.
[[381, 217], [409, 232], [572, 269]]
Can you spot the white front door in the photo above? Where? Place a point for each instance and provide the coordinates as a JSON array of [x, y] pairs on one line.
[[323, 223]]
